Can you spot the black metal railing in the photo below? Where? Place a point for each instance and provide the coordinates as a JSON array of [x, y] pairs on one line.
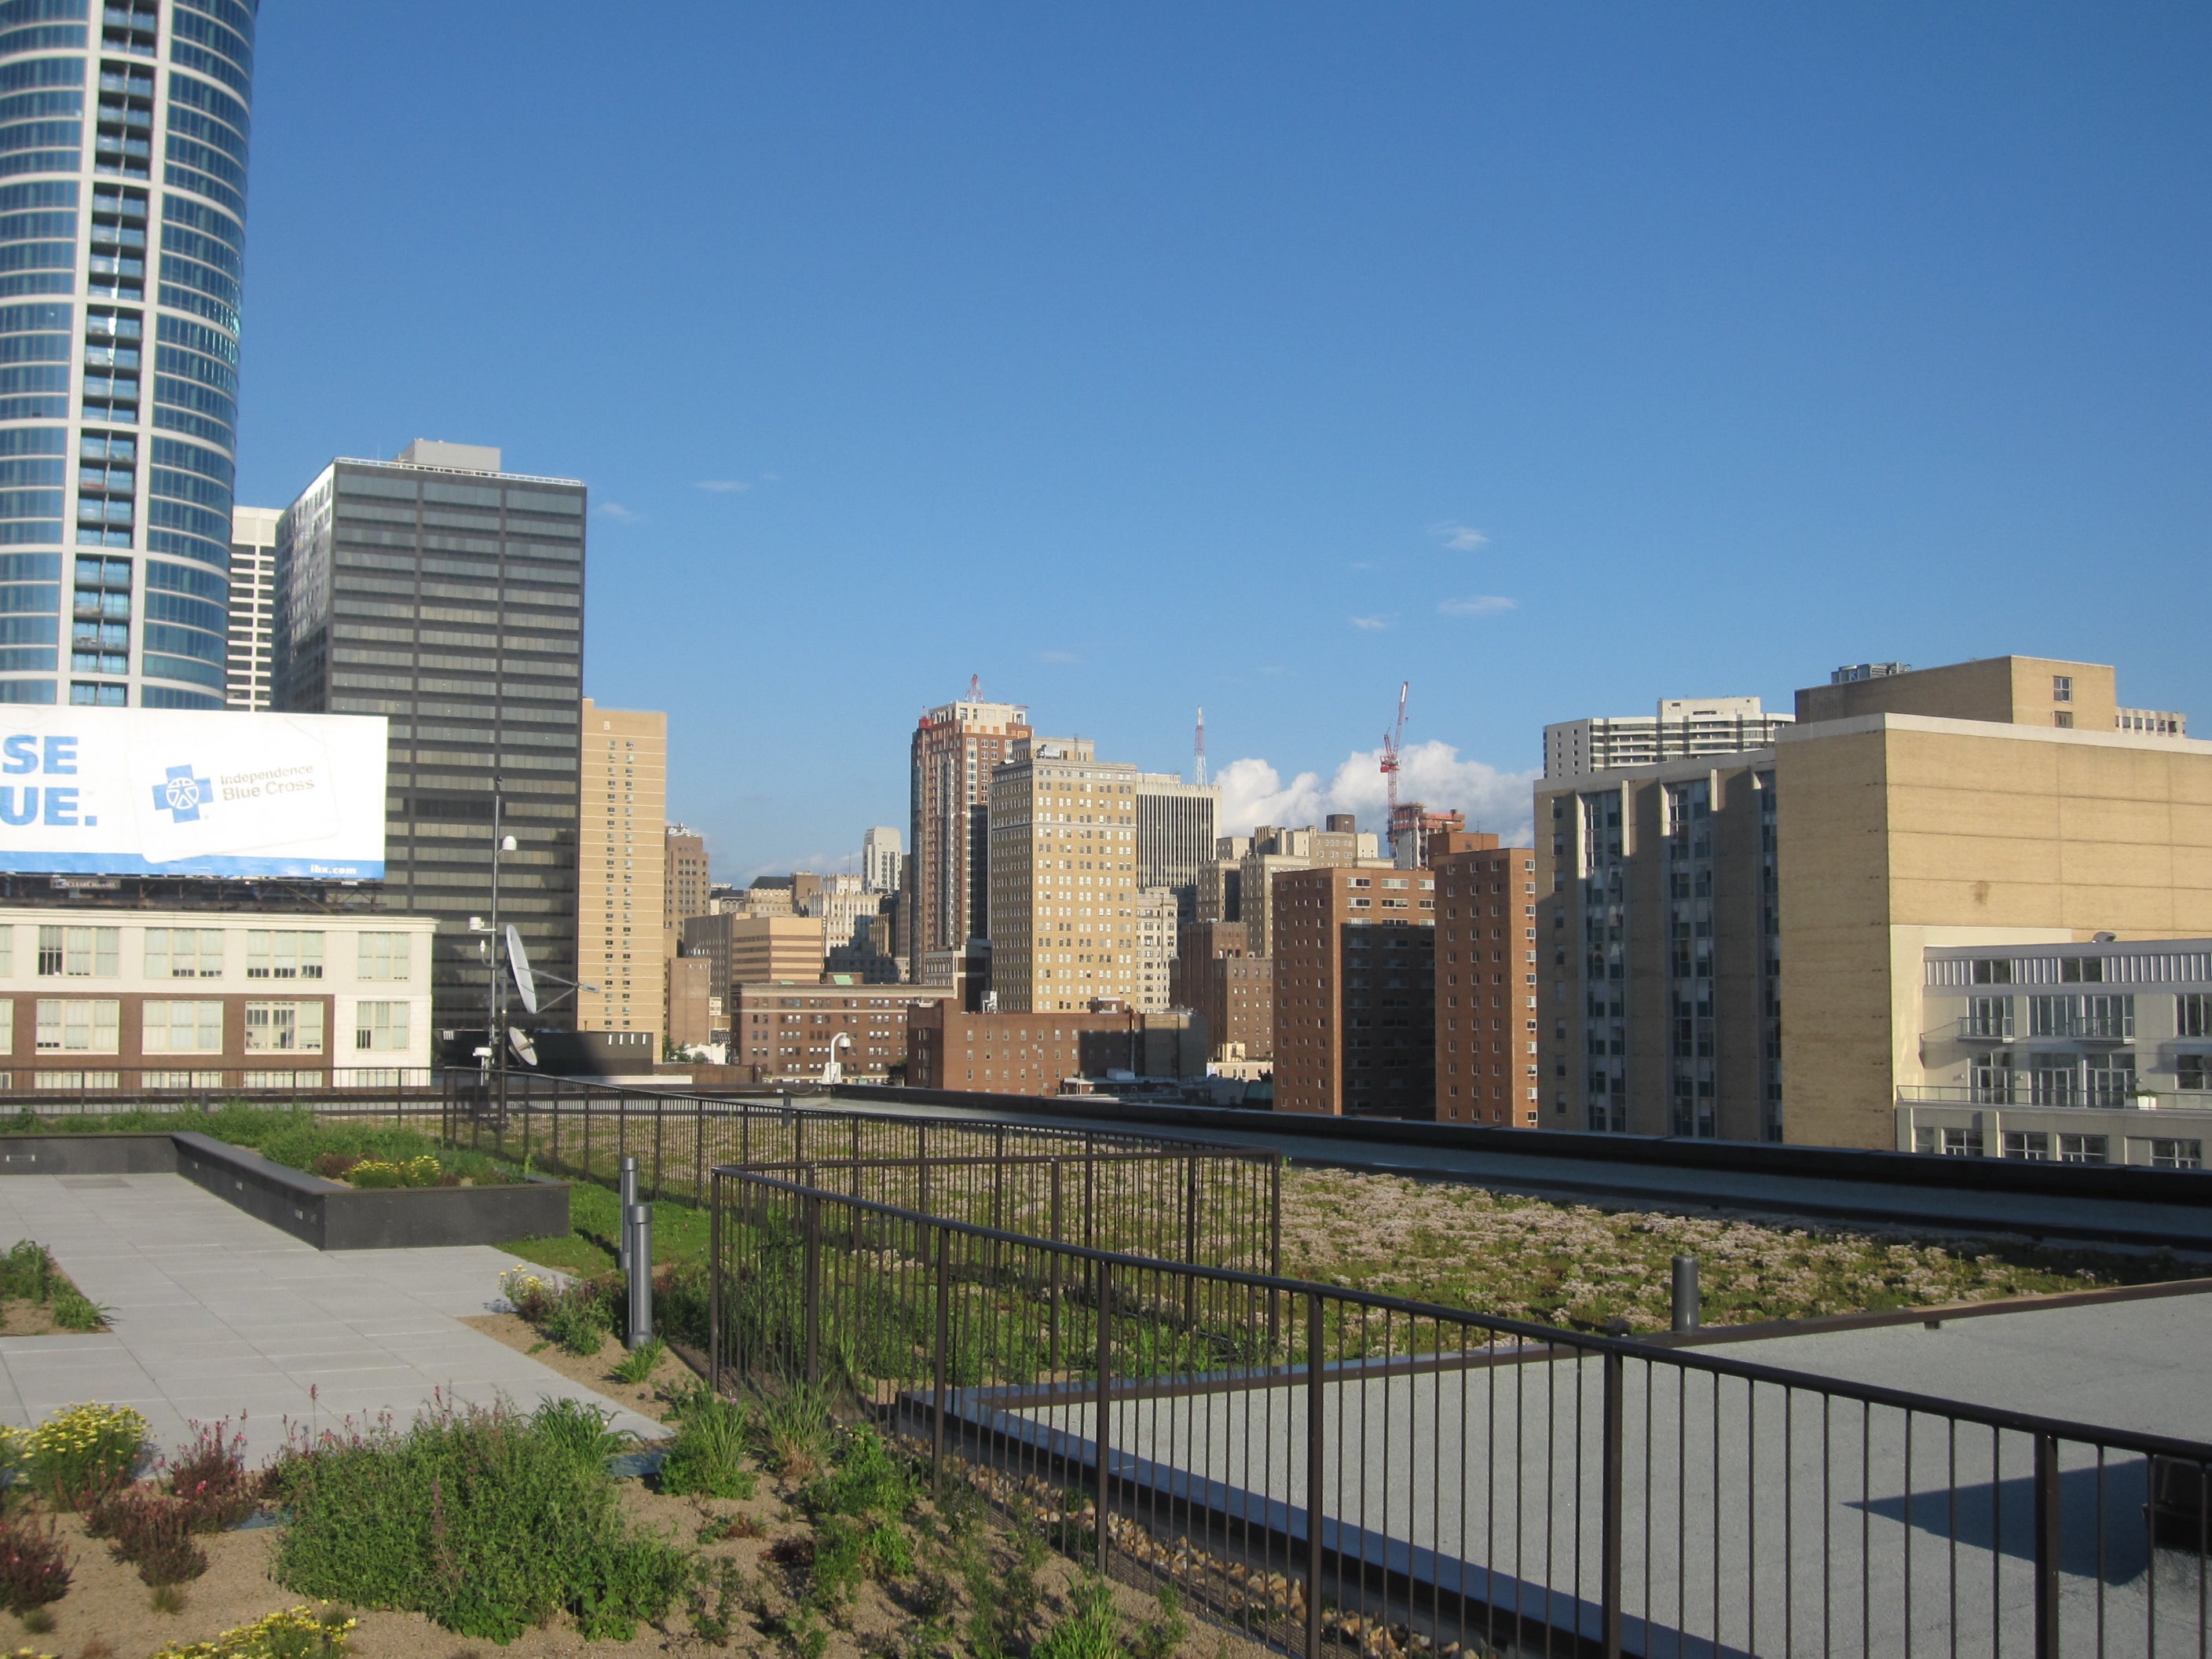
[[1333, 1470]]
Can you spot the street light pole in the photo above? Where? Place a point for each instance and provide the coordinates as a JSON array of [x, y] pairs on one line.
[[495, 992]]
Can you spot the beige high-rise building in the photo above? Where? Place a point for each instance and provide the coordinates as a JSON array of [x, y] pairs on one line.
[[955, 747], [622, 872], [1156, 948], [252, 606], [1783, 944], [1063, 878]]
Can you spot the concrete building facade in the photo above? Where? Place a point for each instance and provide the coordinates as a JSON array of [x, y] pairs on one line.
[[213, 1000], [1682, 728], [448, 595], [622, 889], [1155, 909], [882, 860], [1062, 878], [1176, 834], [955, 747], [252, 606], [1355, 992], [1487, 1057]]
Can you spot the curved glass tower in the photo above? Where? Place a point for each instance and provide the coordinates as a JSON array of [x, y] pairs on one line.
[[123, 141]]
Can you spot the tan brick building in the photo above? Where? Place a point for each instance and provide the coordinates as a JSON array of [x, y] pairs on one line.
[[1736, 946], [1487, 1047], [1355, 992], [621, 941], [1063, 878]]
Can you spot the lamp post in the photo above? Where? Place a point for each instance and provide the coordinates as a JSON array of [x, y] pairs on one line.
[[494, 992]]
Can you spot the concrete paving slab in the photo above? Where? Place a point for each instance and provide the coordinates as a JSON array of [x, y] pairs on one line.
[[216, 1314]]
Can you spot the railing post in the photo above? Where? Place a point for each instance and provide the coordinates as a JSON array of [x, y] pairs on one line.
[[1275, 1254], [713, 1285], [813, 1287], [939, 1393], [699, 1149], [1611, 1474], [1317, 1466], [1102, 1430], [1051, 1361], [2046, 1546], [659, 1130]]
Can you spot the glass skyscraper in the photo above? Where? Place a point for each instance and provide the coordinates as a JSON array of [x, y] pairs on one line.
[[123, 146]]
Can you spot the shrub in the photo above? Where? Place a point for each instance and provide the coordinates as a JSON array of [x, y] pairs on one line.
[[530, 1294], [294, 1633], [708, 1456], [210, 1480], [422, 1171], [577, 1319], [487, 1521], [75, 1311], [869, 1480], [581, 1429], [34, 1567], [153, 1532], [26, 1271], [1089, 1631], [83, 1450], [795, 1426], [334, 1166]]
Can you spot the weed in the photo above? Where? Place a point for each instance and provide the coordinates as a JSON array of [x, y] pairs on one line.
[[26, 1271], [576, 1318], [840, 1561], [795, 1428], [638, 1364], [75, 1311], [537, 1347], [37, 1620], [869, 1478], [96, 1647], [487, 1521], [718, 1527], [708, 1459], [1159, 1637], [168, 1598], [1089, 1631], [804, 1635], [581, 1429], [715, 1620]]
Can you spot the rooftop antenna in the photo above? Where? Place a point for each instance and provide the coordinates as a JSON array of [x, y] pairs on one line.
[[974, 688], [1202, 747]]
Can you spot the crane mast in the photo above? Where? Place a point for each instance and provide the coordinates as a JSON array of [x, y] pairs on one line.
[[1393, 743]]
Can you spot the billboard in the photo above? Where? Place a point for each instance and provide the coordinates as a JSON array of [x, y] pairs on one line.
[[165, 792]]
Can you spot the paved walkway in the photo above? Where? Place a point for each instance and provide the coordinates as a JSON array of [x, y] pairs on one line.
[[216, 1314]]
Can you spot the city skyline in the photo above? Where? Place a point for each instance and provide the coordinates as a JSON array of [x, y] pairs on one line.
[[1645, 325]]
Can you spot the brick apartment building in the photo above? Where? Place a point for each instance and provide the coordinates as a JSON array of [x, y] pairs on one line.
[[1355, 992], [1233, 991], [1031, 1053], [783, 1030], [1485, 981]]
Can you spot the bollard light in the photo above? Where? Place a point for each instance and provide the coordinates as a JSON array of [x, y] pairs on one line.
[[1686, 1293], [627, 1196], [637, 1232]]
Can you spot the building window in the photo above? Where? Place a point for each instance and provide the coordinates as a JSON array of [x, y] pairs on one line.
[[1948, 1143], [2064, 717], [2176, 1154], [2030, 1143], [2082, 1148], [2062, 689], [184, 953], [181, 1028], [2192, 1071], [82, 1026], [380, 1026], [383, 956], [2192, 1014], [79, 952], [283, 956], [284, 1027], [7, 1026]]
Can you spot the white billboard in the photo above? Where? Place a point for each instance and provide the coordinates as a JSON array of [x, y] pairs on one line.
[[182, 792]]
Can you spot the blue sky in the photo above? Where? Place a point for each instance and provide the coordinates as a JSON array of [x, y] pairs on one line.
[[1555, 359]]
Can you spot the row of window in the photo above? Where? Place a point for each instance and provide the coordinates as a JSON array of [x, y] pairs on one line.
[[199, 953], [92, 1025], [2039, 1146]]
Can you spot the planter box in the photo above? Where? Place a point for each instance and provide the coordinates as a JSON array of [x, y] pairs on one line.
[[327, 1214]]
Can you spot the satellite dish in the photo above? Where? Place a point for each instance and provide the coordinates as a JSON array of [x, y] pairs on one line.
[[524, 1049], [518, 963]]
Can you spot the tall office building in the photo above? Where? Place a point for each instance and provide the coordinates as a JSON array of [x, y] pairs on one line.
[[621, 836], [118, 417], [252, 604], [1176, 828], [955, 747], [882, 860], [1063, 877], [683, 894], [1156, 948], [448, 595], [1683, 728]]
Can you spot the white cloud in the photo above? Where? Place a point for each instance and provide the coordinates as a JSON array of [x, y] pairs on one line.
[[1482, 605], [722, 486], [616, 511], [1368, 624], [1432, 772], [1462, 538]]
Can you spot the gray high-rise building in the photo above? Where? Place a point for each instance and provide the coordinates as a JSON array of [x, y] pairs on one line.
[[118, 345], [1175, 835], [448, 595]]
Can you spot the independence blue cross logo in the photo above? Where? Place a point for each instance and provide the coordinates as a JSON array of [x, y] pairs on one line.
[[182, 796]]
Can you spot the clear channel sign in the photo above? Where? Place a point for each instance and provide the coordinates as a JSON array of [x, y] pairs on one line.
[[179, 792]]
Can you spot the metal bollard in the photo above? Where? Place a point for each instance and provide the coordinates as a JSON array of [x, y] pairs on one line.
[[637, 1234], [627, 1190], [1686, 1293]]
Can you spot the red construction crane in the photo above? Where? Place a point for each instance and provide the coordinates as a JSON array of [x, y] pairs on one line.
[[1392, 742]]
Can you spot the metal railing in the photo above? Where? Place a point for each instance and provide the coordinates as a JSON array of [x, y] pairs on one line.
[[1333, 1471]]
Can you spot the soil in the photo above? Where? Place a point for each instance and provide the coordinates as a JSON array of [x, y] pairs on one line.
[[595, 1371], [35, 1319]]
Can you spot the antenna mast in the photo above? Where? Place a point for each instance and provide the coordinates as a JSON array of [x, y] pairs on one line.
[[1201, 747]]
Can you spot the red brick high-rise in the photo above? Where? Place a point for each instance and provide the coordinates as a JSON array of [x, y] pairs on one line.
[[1486, 983]]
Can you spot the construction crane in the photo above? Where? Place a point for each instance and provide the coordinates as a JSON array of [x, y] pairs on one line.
[[974, 688], [1392, 743], [1201, 747]]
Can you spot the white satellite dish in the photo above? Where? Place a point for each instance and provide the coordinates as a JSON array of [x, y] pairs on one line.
[[518, 963], [524, 1049]]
